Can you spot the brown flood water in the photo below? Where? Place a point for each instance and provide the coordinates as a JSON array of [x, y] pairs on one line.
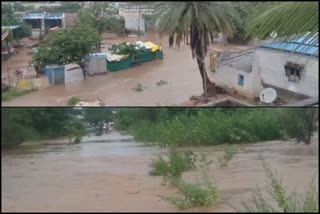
[[177, 68], [113, 175]]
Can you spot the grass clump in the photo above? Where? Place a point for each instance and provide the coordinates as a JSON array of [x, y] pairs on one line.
[[281, 199], [11, 93], [73, 101], [198, 194], [229, 152], [139, 87]]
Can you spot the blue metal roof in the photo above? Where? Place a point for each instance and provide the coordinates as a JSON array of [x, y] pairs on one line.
[[301, 45], [51, 15]]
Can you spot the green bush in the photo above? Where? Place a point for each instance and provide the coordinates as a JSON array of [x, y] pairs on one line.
[[73, 101], [13, 93], [198, 194], [179, 127], [174, 166]]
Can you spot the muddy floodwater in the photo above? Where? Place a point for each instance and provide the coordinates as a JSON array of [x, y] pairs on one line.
[[177, 68], [110, 173]]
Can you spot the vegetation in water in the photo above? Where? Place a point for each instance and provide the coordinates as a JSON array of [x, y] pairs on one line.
[[278, 198], [139, 87], [73, 101], [229, 152], [174, 166], [12, 93], [181, 127], [203, 193]]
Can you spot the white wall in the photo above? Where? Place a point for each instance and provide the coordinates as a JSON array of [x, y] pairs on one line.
[[132, 18], [227, 77], [270, 64]]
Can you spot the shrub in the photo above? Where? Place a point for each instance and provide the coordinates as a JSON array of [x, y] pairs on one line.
[[73, 101], [11, 93], [159, 167], [198, 194], [175, 166]]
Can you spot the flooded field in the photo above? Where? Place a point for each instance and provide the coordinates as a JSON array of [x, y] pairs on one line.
[[177, 68], [110, 173]]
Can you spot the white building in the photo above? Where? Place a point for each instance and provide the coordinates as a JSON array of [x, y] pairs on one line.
[[292, 71], [136, 16]]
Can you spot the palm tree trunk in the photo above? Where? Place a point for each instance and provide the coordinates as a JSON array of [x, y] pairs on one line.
[[206, 82]]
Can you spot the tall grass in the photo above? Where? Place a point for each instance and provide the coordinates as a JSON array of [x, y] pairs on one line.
[[278, 198]]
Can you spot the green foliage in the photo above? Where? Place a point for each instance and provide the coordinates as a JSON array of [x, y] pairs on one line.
[[178, 126], [174, 167], [284, 201], [280, 16], [8, 18], [127, 49], [73, 101], [301, 123], [160, 167], [13, 93], [75, 129], [96, 115], [69, 6], [229, 152], [22, 124], [69, 45], [198, 194]]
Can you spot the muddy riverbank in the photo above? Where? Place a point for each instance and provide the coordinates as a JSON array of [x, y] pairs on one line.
[[113, 176]]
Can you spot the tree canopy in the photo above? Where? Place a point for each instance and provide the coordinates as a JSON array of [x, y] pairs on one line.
[[23, 124], [69, 45]]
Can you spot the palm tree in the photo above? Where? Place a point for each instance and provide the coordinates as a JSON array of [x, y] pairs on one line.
[[290, 20], [200, 21]]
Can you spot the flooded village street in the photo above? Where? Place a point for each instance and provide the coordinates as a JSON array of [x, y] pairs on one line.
[[116, 88], [110, 173]]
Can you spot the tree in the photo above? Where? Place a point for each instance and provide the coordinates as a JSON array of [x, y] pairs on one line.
[[103, 18], [76, 129], [69, 45], [290, 20], [8, 18], [301, 123], [69, 6], [201, 21]]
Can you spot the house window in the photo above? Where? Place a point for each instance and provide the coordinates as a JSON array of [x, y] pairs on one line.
[[241, 80], [293, 71]]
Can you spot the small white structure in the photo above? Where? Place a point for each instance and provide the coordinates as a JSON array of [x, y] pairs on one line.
[[73, 74], [96, 63], [282, 66]]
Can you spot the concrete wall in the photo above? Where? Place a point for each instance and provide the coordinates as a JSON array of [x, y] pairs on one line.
[[70, 19], [270, 64], [228, 77], [134, 17]]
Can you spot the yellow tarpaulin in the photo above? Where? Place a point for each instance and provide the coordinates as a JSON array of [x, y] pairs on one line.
[[153, 46]]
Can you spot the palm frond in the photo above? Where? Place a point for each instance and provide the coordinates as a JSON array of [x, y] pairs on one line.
[[291, 21]]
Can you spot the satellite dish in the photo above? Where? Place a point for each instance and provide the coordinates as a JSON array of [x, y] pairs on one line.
[[268, 95], [274, 34]]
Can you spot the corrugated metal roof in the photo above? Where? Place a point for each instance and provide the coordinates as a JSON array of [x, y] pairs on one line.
[[301, 45], [11, 27], [53, 15]]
